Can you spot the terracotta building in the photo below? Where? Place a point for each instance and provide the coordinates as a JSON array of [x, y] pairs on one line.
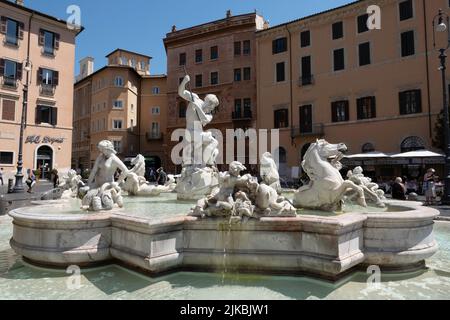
[[116, 103], [49, 46], [330, 76], [220, 58]]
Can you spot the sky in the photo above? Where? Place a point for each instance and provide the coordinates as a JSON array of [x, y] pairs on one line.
[[140, 25]]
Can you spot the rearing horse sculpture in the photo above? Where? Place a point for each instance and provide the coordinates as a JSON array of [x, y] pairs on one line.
[[327, 188]]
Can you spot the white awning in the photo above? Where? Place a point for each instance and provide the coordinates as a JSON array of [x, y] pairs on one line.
[[418, 154], [368, 155]]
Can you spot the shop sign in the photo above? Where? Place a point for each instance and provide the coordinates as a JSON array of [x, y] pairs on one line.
[[34, 139]]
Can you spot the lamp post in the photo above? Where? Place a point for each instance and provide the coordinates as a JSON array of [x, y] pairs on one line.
[[19, 187], [440, 25]]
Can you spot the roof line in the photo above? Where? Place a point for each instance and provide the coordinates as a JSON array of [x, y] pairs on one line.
[[106, 67], [128, 51]]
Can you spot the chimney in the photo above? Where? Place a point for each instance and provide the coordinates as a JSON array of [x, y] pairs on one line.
[[174, 28], [86, 68], [228, 14], [19, 2]]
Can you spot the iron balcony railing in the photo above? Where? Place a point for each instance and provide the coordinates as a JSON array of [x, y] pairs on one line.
[[303, 131], [152, 136], [306, 80], [10, 82], [243, 115], [47, 89]]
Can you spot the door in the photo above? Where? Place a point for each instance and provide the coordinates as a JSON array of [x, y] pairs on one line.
[[44, 161]]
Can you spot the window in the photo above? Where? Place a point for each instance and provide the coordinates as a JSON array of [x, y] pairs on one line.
[[156, 110], [237, 108], [123, 61], [117, 104], [117, 124], [280, 72], [214, 53], [46, 114], [281, 118], [49, 41], [214, 78], [182, 109], [339, 60], [279, 45], [340, 111], [338, 30], [247, 47], [142, 65], [305, 122], [247, 104], [237, 48], [132, 107], [364, 54], [6, 157], [410, 102], [198, 80], [155, 129], [306, 71], [155, 90], [408, 43], [305, 39], [12, 29], [362, 23], [48, 77], [117, 146], [118, 82], [198, 56], [406, 10], [368, 147], [8, 110], [237, 75], [11, 72], [133, 63], [366, 108], [182, 59], [247, 73]]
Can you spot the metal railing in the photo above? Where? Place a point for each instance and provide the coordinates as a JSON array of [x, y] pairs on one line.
[[243, 115], [151, 136], [10, 82], [47, 89]]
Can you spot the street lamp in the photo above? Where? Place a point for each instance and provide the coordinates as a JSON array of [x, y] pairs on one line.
[[19, 187], [440, 25]]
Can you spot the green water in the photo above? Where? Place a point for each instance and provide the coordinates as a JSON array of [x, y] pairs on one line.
[[20, 281]]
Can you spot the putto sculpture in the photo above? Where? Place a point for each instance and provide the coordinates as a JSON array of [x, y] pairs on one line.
[[269, 172], [102, 192], [242, 196], [199, 174], [326, 189], [70, 184]]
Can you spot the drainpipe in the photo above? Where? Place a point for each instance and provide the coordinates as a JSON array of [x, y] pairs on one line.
[[291, 86], [28, 59], [425, 22]]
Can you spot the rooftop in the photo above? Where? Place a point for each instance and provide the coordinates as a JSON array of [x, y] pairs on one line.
[[127, 51]]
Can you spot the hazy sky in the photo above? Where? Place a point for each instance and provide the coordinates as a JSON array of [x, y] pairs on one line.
[[140, 25]]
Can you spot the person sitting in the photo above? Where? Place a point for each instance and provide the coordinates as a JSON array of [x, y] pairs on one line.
[[398, 190]]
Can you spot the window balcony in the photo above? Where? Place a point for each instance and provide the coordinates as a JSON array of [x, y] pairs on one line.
[[154, 136], [243, 115], [306, 81], [305, 131], [47, 90], [10, 83]]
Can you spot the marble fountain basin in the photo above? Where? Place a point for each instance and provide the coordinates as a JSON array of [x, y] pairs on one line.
[[328, 247]]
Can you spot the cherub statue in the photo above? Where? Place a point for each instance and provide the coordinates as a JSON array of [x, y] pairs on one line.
[[269, 172], [70, 184]]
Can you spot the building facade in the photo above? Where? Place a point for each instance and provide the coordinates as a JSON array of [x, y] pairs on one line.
[[115, 103], [330, 76], [220, 58], [49, 45]]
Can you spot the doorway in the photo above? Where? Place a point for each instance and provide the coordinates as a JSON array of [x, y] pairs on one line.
[[44, 161]]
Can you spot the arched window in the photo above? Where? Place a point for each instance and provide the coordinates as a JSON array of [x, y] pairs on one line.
[[412, 144], [368, 147]]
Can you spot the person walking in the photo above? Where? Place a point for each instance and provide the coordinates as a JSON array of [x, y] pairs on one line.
[[1, 176], [429, 186], [31, 180], [162, 176], [398, 190], [55, 179]]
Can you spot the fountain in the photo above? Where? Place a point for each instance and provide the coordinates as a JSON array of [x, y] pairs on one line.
[[237, 222]]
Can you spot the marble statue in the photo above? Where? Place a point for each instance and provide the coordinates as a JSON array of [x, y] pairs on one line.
[[269, 172], [326, 189], [372, 192], [138, 165], [70, 184], [242, 196], [102, 192], [198, 176]]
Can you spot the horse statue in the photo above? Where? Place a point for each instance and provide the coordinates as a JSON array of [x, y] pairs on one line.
[[326, 189]]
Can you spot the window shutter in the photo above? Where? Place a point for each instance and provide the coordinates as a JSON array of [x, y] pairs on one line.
[[359, 109], [56, 41], [21, 28], [2, 67], [3, 25], [41, 37], [55, 78], [334, 112], [347, 111], [19, 69], [418, 94], [402, 102], [373, 106], [54, 116], [38, 115], [40, 75]]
